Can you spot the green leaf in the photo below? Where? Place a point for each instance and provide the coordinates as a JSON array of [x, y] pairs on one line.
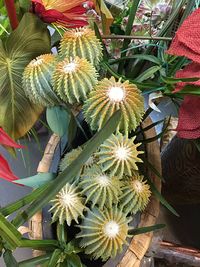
[[146, 162], [9, 259], [137, 56], [30, 39], [58, 120], [98, 35], [171, 80], [9, 233], [71, 171], [9, 209], [151, 126], [37, 180], [54, 258], [61, 233], [131, 18], [189, 90], [142, 230], [35, 261], [161, 198], [39, 244], [147, 73], [72, 260]]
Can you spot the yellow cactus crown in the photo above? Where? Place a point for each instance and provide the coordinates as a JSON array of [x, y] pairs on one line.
[[83, 43], [109, 96]]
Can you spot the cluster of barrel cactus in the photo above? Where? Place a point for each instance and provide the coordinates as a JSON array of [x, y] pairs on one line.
[[108, 190]]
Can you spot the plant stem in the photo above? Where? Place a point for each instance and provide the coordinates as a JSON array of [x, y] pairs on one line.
[[128, 30], [130, 37], [11, 10]]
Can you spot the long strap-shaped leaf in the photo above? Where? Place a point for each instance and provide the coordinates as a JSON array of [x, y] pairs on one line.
[[71, 171]]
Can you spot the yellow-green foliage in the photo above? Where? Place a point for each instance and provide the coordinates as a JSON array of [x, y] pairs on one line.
[[73, 79], [119, 155], [37, 80], [103, 233], [83, 43], [100, 188], [136, 194], [109, 96], [68, 205]]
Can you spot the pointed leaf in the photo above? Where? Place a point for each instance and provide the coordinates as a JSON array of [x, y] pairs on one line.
[[54, 258], [142, 230], [147, 73], [9, 259], [29, 40], [7, 141], [161, 198], [58, 120], [37, 180], [35, 261], [5, 171]]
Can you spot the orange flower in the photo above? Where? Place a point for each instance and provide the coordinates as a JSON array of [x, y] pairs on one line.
[[70, 14]]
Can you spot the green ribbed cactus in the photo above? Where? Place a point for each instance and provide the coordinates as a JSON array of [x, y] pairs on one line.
[[37, 80], [136, 194], [103, 233], [100, 188], [83, 43], [68, 205], [109, 96], [73, 79], [119, 155]]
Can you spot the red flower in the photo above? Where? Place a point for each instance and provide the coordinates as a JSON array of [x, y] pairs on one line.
[[5, 171], [187, 43], [67, 13]]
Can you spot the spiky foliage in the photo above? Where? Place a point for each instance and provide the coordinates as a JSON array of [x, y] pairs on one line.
[[83, 43], [119, 155], [136, 194], [71, 156], [100, 188], [110, 95], [67, 205], [37, 80], [104, 233], [73, 79]]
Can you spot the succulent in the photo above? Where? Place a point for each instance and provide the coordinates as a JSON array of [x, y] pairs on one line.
[[109, 96], [73, 79], [119, 155], [37, 80], [136, 194], [68, 205], [71, 156], [83, 43], [103, 233], [100, 188]]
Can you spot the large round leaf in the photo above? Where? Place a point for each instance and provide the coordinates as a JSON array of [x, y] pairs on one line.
[[29, 40]]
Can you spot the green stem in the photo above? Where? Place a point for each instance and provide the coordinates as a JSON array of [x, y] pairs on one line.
[[35, 261], [130, 37], [39, 244], [129, 26]]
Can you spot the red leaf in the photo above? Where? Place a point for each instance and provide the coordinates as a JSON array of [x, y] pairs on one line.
[[5, 171], [7, 141], [187, 39], [189, 118]]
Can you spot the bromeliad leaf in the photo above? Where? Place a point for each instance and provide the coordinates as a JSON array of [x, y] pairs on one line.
[[29, 40]]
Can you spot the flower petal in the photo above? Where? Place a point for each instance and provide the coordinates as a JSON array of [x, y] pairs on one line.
[[189, 118]]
